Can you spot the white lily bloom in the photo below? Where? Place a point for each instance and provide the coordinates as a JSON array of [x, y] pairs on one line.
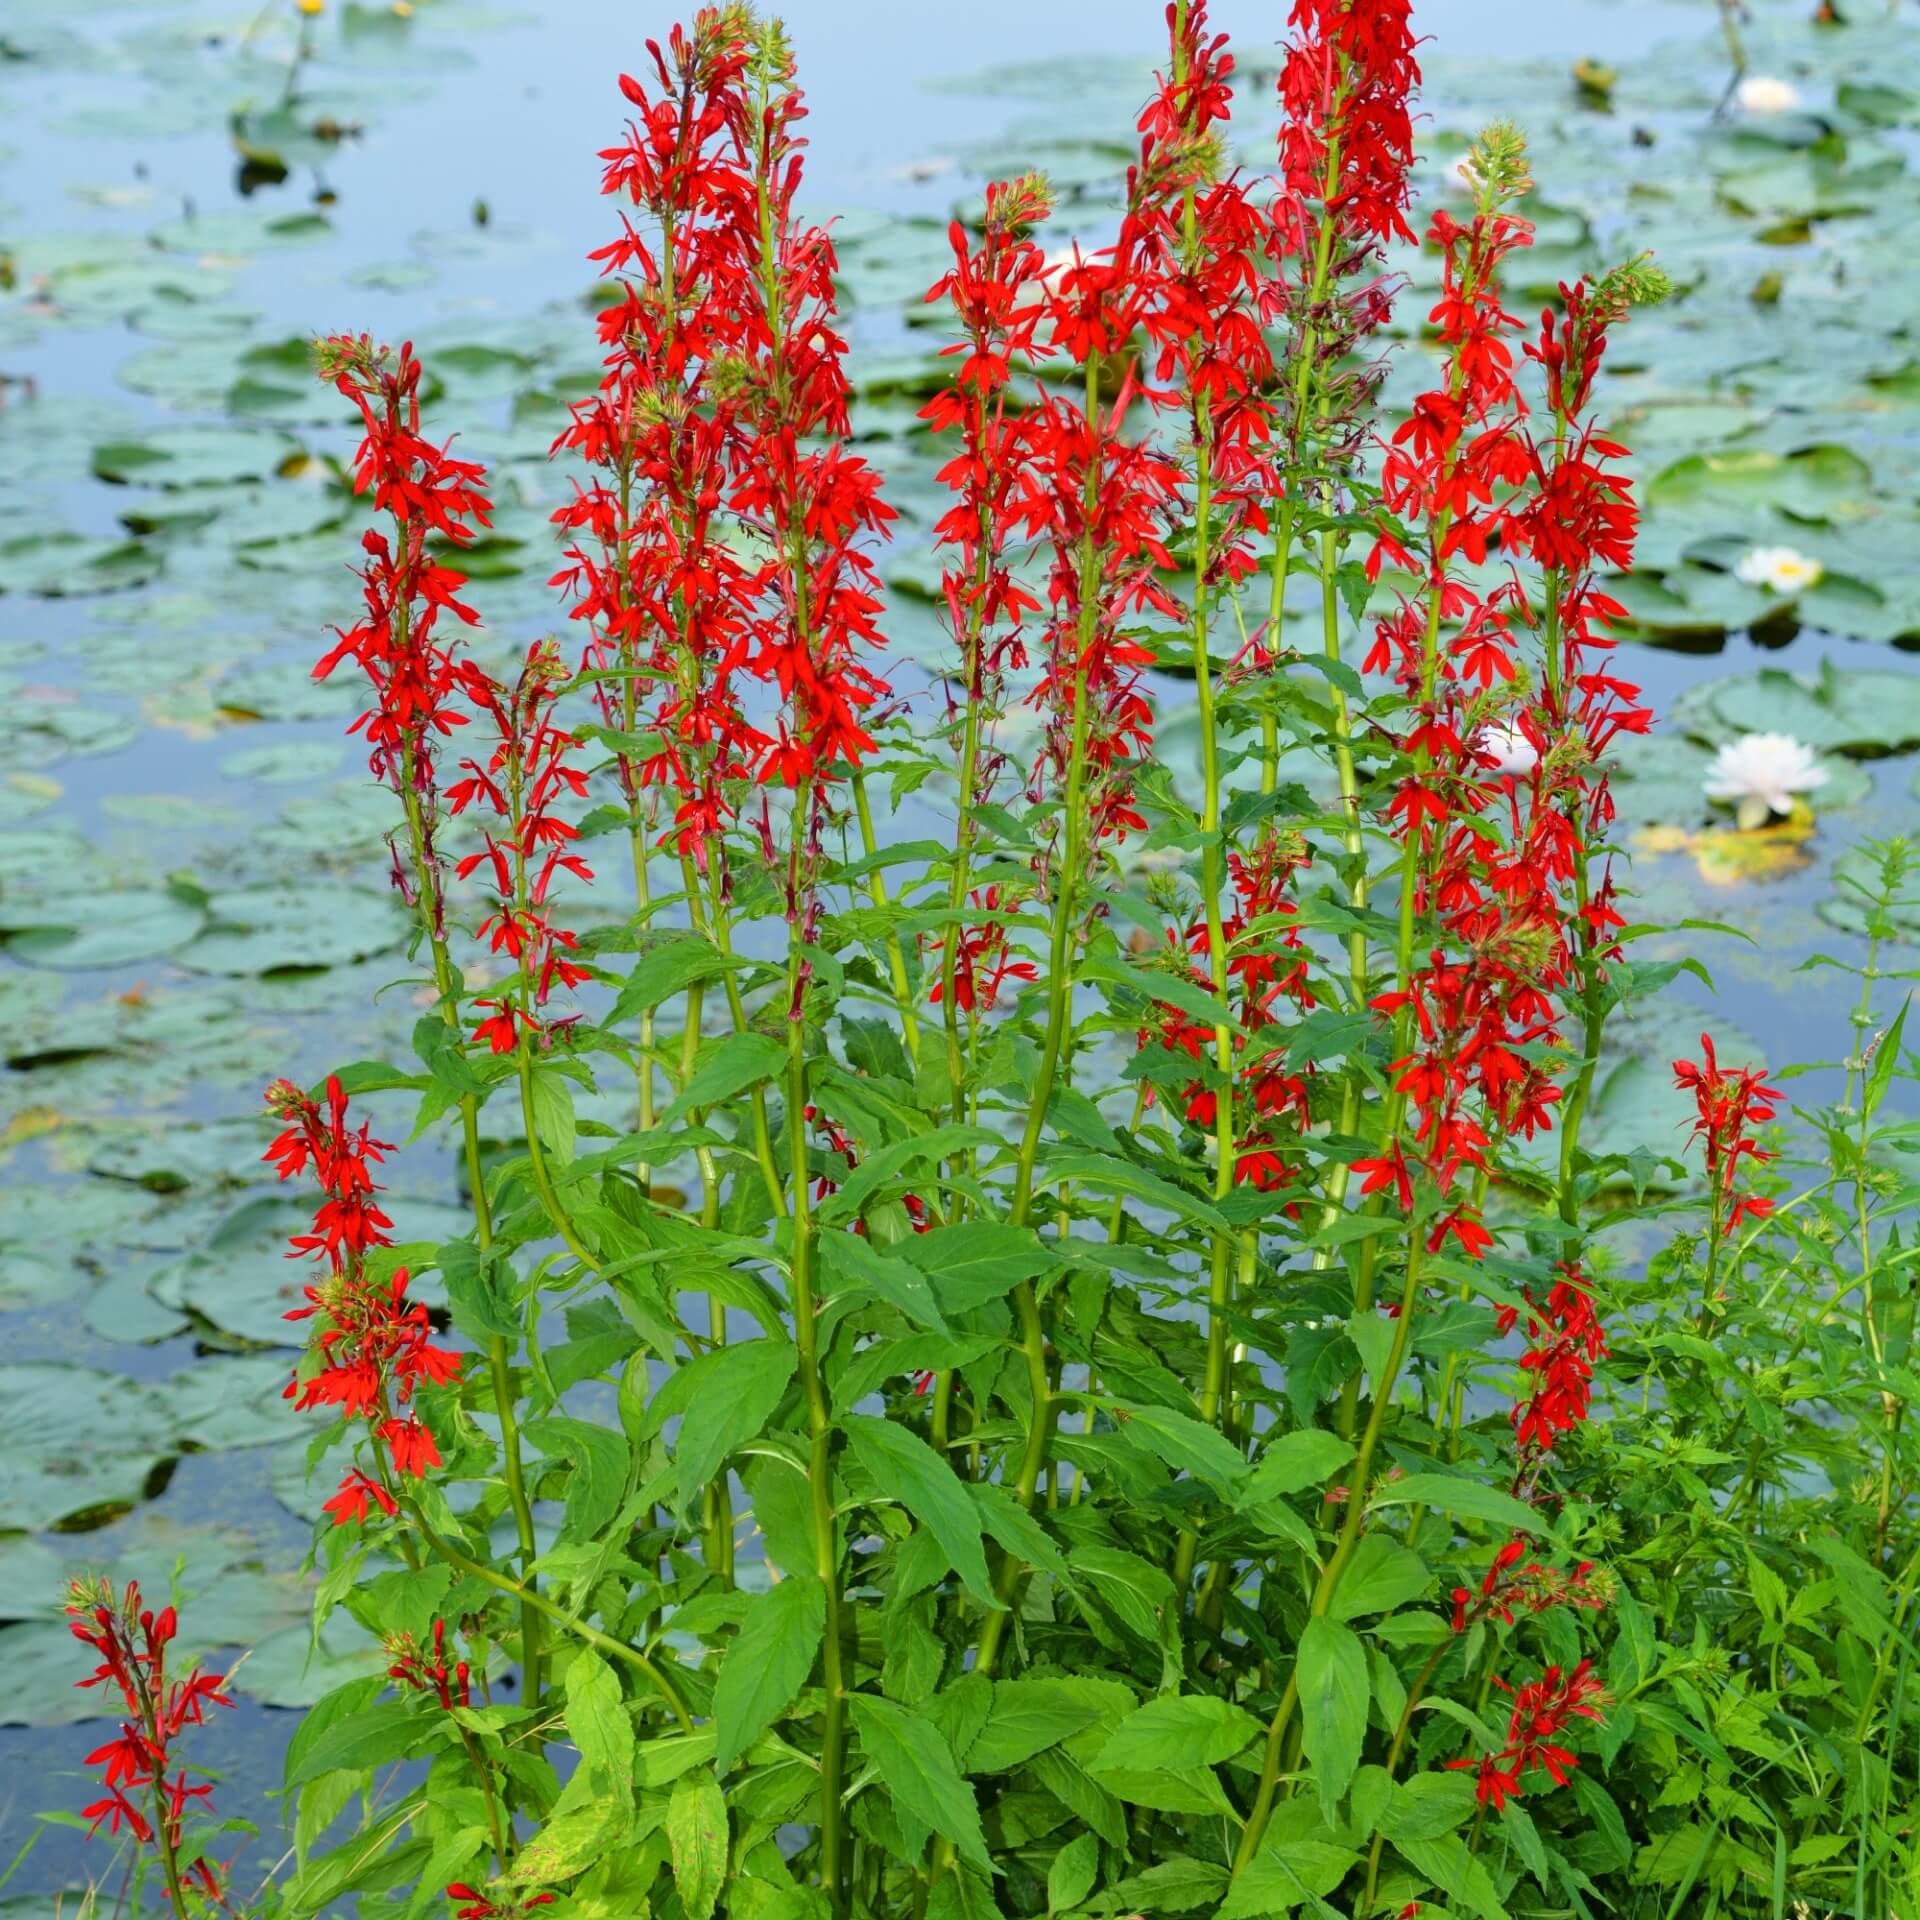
[[1762, 93], [1759, 774], [1516, 754], [1781, 568]]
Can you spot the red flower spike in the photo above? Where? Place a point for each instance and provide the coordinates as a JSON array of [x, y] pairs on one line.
[[132, 1642]]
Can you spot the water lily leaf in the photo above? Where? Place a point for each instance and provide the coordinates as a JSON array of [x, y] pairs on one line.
[[273, 929], [98, 930]]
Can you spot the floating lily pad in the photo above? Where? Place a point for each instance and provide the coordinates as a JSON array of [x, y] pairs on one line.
[[191, 457], [1838, 710], [1661, 779], [99, 930], [80, 1444], [279, 929]]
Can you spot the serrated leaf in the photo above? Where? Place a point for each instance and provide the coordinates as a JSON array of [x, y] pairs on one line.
[[1179, 1731], [597, 1720], [1285, 1874], [1293, 1463], [1462, 1499], [1187, 1445], [697, 1841], [860, 1267], [1381, 1576], [767, 1664], [906, 1469], [1072, 1872], [723, 1398], [731, 1067], [917, 1768], [1332, 1675], [976, 1261]]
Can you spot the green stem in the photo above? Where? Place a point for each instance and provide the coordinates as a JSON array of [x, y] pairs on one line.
[[1359, 1487]]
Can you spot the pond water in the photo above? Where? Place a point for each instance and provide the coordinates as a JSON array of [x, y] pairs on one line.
[[184, 197]]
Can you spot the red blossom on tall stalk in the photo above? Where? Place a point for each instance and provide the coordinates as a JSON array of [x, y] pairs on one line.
[[796, 480], [1542, 1711], [372, 1348], [132, 1642], [1565, 1338], [1345, 154], [526, 844], [997, 288], [651, 571], [429, 495], [1728, 1101]]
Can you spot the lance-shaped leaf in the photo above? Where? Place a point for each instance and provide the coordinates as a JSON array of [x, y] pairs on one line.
[[767, 1664], [906, 1469]]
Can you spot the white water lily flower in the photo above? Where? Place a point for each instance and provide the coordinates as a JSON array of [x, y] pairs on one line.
[[1781, 568], [1762, 93], [1516, 754], [1760, 773]]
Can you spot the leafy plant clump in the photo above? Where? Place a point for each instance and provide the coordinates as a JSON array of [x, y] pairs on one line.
[[1074, 1358]]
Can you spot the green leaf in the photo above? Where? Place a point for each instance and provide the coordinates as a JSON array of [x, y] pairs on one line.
[[553, 1121], [1462, 1499], [1178, 1731], [724, 1398], [657, 976], [767, 1663], [598, 1483], [597, 1720], [906, 1469], [1332, 1675], [388, 1730], [1016, 1530], [1283, 1875], [860, 1267], [697, 1841], [1187, 1445], [917, 1768], [1105, 1174], [1175, 1885], [977, 1261], [1447, 1864], [1072, 1872], [1293, 1463], [1381, 1576], [730, 1067], [1029, 1716]]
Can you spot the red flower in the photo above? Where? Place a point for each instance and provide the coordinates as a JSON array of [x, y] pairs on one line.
[[1728, 1103], [350, 1503], [412, 1446], [132, 1643]]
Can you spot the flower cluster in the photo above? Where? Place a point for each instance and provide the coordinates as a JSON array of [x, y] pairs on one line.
[[373, 1347], [428, 495], [1345, 153], [1542, 1711], [1565, 1338], [650, 570], [1728, 1101], [1267, 966], [526, 845], [427, 1670], [132, 1643], [1514, 1585]]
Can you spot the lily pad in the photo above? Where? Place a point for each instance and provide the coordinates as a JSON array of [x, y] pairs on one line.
[[99, 930], [80, 1443], [1838, 710], [280, 929]]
